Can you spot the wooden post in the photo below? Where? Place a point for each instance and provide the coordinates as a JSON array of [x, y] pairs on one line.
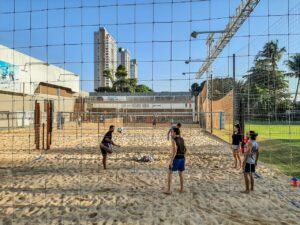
[[43, 136], [98, 129], [76, 129], [29, 143], [37, 125], [48, 127], [8, 122], [51, 119]]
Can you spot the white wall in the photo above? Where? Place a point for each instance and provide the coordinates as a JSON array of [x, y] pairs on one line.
[[143, 105], [31, 72]]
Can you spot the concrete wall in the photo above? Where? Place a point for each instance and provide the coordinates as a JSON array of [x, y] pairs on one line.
[[13, 105]]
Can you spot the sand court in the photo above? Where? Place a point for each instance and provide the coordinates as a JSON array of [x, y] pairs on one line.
[[67, 185]]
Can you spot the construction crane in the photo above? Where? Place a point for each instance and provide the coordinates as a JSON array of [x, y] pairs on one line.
[[242, 12]]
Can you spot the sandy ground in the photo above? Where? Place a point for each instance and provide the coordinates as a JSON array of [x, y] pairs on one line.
[[67, 185]]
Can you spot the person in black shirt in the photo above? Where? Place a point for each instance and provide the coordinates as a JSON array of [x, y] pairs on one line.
[[177, 161], [106, 144], [171, 130], [154, 122], [236, 145]]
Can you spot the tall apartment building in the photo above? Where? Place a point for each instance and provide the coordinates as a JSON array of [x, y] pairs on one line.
[[105, 57], [124, 59], [133, 69]]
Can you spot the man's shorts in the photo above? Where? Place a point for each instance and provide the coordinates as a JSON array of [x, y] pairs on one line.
[[235, 147], [178, 165], [105, 150], [249, 168]]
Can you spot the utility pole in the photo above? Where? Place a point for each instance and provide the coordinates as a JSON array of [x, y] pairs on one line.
[[209, 82], [233, 91]]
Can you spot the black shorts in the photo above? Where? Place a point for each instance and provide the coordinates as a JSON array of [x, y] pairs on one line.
[[249, 168], [105, 150]]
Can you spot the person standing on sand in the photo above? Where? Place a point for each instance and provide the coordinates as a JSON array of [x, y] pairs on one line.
[[79, 121], [154, 122], [236, 145], [171, 130], [106, 145], [250, 162], [245, 141], [177, 160]]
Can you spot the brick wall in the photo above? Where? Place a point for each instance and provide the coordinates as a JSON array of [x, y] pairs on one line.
[[224, 104]]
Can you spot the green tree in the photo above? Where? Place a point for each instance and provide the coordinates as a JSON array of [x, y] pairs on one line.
[[104, 89], [121, 82], [271, 54], [267, 88], [141, 88], [132, 83], [195, 89], [108, 74], [294, 66]]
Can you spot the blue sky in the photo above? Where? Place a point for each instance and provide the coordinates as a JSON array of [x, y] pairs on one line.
[[157, 34]]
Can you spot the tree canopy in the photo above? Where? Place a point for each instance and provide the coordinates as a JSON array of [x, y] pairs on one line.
[[121, 82]]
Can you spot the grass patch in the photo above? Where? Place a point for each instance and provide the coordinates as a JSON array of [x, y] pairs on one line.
[[283, 154], [278, 132], [279, 145]]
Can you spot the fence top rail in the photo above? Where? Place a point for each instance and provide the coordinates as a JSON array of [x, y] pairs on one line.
[[139, 94]]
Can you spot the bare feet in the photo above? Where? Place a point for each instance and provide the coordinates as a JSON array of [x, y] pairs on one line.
[[245, 192], [180, 191], [167, 192]]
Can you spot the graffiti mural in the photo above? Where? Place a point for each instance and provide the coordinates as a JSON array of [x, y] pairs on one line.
[[9, 77], [7, 71]]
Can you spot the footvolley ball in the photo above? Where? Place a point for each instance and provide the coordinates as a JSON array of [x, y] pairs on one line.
[[120, 129]]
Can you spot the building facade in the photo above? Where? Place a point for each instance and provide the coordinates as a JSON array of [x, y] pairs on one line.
[[163, 105], [105, 57], [134, 69], [124, 59], [25, 80], [21, 73]]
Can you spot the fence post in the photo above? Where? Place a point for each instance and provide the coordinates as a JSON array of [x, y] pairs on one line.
[[37, 125], [43, 136]]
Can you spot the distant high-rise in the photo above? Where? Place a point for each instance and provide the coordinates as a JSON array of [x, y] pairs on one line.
[[133, 69], [124, 59], [105, 57]]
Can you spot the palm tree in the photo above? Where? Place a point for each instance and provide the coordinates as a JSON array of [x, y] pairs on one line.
[[269, 57], [271, 54], [108, 74], [121, 82], [294, 65]]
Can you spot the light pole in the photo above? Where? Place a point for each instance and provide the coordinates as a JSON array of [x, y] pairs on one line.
[[194, 34], [193, 60], [209, 88]]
